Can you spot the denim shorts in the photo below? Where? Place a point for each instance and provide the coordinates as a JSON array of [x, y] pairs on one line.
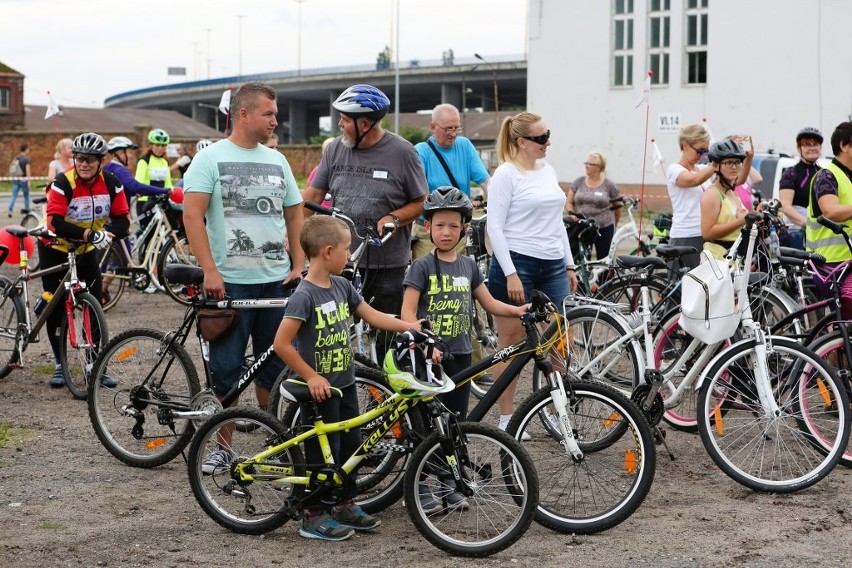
[[547, 276], [227, 354]]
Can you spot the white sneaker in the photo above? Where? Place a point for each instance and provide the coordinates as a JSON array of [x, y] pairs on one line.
[[524, 436], [151, 289]]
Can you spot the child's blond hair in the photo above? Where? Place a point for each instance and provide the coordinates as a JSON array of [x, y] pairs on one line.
[[321, 231]]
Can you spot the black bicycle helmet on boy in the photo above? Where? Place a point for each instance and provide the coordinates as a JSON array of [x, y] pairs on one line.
[[448, 198], [726, 149], [159, 136], [809, 132], [410, 374], [89, 143], [120, 143]]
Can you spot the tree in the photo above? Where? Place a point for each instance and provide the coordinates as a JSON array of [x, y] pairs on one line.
[[241, 242], [448, 58], [383, 61]]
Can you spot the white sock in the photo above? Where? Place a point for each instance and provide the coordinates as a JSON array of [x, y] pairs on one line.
[[504, 421]]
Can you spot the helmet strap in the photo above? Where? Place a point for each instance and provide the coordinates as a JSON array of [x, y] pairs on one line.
[[358, 136]]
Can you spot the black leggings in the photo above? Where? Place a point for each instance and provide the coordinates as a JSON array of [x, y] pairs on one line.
[[87, 271]]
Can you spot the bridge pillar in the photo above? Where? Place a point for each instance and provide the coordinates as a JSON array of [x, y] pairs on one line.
[[451, 93], [298, 122], [487, 98], [313, 124], [206, 115]]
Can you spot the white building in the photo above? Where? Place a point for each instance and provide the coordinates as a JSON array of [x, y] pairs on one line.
[[760, 67]]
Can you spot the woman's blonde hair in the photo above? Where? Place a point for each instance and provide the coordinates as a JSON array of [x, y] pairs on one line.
[[514, 127], [692, 134], [599, 157], [65, 142]]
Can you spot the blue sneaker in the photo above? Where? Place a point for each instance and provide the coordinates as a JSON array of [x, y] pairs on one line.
[[323, 527], [108, 382], [57, 381], [355, 517]]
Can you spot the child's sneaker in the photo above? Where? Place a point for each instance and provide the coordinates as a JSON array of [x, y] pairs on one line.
[[58, 379], [217, 462], [323, 527], [428, 503], [355, 517]]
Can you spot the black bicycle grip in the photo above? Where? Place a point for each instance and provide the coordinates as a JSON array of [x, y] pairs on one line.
[[835, 228], [316, 208]]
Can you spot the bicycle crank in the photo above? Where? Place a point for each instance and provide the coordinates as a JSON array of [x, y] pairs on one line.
[[654, 412]]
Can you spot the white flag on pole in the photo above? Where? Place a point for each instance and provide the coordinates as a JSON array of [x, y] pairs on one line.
[[658, 158], [645, 95], [52, 107], [225, 103]]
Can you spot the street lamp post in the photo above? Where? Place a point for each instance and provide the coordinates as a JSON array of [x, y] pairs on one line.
[[208, 30], [240, 51], [464, 92], [496, 96], [299, 46]]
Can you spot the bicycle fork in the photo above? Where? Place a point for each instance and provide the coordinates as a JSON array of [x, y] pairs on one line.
[[560, 402]]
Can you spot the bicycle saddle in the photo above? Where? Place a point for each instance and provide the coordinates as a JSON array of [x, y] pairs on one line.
[[628, 261], [801, 255], [184, 274], [674, 251], [296, 390]]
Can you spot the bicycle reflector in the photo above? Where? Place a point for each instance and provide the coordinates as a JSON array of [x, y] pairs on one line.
[[14, 245]]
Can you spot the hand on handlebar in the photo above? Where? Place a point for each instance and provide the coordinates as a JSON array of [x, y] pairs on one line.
[[101, 239]]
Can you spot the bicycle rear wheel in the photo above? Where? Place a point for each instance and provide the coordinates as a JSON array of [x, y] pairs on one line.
[[82, 336], [176, 252], [379, 478], [113, 267], [246, 507], [135, 420], [12, 316], [783, 452], [499, 482], [619, 459]]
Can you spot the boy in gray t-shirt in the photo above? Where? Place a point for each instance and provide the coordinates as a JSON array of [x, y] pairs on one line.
[[317, 316]]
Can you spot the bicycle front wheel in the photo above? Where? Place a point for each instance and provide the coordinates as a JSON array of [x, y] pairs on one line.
[[246, 507], [775, 451], [113, 267], [499, 488], [82, 335], [619, 460], [176, 252], [12, 316], [135, 419]]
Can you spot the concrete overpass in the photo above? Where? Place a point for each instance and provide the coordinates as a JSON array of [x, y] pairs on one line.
[[306, 95]]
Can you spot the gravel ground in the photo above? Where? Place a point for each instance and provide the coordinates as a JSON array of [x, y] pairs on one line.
[[64, 501]]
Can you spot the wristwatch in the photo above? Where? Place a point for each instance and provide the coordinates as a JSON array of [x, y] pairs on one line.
[[395, 219]]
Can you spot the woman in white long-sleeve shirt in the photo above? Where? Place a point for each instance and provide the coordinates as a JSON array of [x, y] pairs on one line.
[[528, 238]]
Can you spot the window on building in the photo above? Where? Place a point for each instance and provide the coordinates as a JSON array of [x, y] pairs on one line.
[[4, 98], [622, 43], [696, 41], [659, 25]]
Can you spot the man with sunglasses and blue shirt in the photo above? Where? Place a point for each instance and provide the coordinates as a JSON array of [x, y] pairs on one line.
[[449, 159], [686, 181]]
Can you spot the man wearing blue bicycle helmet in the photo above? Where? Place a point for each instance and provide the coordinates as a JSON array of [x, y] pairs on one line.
[[375, 177]]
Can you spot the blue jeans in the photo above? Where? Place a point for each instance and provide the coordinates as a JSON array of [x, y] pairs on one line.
[[228, 353], [19, 186], [547, 276]]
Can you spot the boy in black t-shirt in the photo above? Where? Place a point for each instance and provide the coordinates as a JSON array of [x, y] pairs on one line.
[[317, 317]]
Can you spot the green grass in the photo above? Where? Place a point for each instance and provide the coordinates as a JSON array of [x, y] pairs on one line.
[[5, 434]]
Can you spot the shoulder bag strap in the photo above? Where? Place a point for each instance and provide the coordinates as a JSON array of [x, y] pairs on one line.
[[444, 164]]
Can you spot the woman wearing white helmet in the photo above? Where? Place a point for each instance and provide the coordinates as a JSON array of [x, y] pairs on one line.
[[120, 149]]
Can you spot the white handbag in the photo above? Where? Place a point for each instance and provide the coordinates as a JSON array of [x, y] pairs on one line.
[[708, 308]]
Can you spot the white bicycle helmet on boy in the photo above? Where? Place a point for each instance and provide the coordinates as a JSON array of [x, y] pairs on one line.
[[409, 372], [362, 101]]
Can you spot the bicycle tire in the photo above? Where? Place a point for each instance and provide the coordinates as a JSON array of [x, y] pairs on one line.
[[13, 314], [380, 476], [618, 465], [30, 221], [245, 508], [831, 348], [176, 252], [624, 289], [91, 333], [503, 486], [590, 331], [114, 277], [152, 436], [773, 454]]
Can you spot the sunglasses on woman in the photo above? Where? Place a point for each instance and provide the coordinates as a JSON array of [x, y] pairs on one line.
[[540, 139], [699, 151]]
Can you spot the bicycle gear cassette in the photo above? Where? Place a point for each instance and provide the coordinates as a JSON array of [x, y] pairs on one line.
[[207, 403]]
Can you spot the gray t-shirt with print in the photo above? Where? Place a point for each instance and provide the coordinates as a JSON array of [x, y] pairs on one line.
[[323, 339], [368, 184], [448, 304]]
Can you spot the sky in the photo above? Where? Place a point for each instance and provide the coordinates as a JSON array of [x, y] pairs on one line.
[[83, 52]]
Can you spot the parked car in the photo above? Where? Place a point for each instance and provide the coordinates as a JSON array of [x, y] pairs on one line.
[[770, 167]]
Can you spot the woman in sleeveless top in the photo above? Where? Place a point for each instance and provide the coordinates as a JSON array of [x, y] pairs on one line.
[[722, 211]]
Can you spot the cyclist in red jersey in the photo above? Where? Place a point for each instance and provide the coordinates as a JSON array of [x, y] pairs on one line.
[[80, 202]]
